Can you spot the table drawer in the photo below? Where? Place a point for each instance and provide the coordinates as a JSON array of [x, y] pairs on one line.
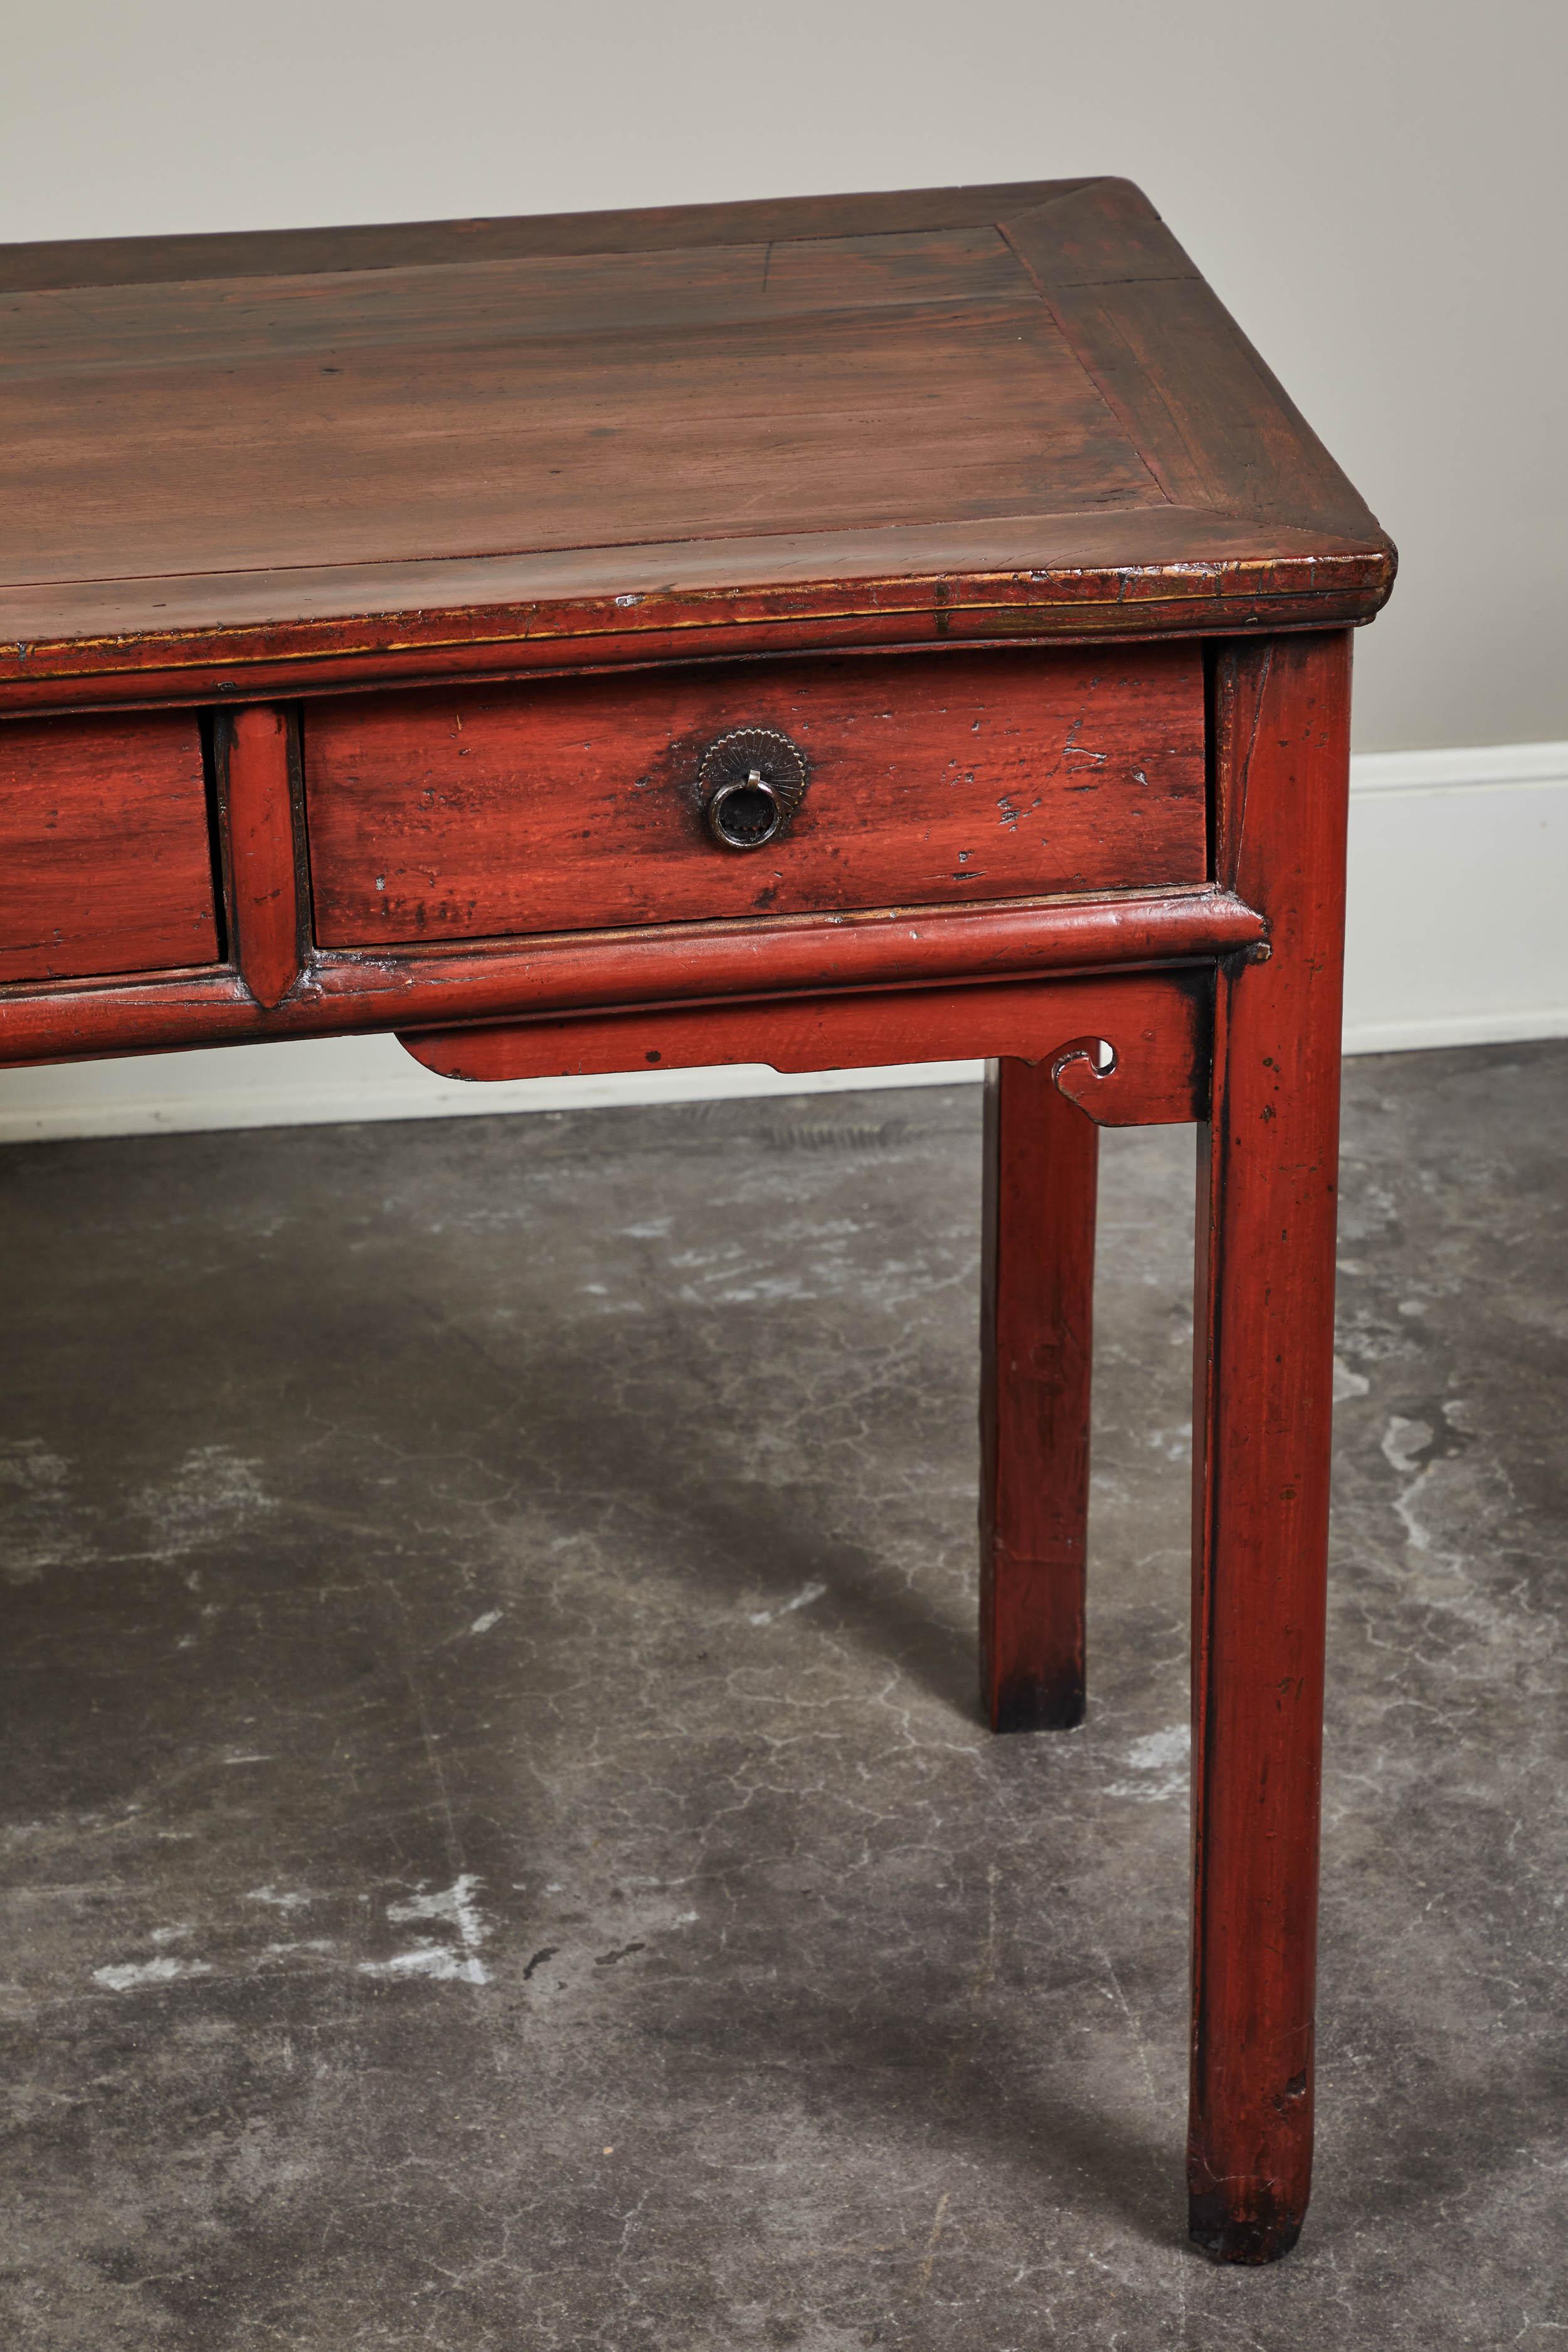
[[105, 854], [586, 804]]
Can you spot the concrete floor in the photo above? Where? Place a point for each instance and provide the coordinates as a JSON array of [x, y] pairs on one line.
[[500, 1851]]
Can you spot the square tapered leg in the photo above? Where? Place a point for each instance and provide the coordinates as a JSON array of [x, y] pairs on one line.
[[1267, 1173], [1041, 1170]]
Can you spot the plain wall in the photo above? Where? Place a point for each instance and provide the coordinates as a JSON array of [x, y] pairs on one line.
[[1376, 187]]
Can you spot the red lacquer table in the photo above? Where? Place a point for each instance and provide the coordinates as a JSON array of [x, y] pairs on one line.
[[828, 633]]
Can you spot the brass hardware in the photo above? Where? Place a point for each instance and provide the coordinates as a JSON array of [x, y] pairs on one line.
[[750, 783]]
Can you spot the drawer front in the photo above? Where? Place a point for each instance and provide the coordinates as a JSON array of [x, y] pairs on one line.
[[582, 805], [105, 855]]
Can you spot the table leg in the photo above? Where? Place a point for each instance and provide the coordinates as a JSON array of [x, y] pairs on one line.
[[1041, 1166], [1264, 1387]]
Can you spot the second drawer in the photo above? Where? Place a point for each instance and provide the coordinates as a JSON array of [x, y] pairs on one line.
[[585, 803]]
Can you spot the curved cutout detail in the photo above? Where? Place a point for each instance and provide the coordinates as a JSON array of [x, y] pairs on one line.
[[1135, 1053], [1097, 1054], [1127, 1084]]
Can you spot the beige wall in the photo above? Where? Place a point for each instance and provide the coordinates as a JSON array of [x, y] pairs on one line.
[[1377, 187]]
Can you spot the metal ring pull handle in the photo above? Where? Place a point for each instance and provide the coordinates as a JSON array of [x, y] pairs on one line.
[[750, 783], [744, 815]]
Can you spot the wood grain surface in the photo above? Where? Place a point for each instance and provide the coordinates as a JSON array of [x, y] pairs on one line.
[[410, 245], [369, 450], [105, 854], [575, 806], [614, 400]]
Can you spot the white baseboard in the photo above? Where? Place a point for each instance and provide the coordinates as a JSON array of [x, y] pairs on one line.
[[1458, 936], [314, 1081], [1458, 884]]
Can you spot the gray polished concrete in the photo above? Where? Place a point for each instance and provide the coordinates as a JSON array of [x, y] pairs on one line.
[[499, 1848]]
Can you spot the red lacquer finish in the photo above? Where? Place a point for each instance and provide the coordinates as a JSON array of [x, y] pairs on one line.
[[458, 544], [575, 806], [401, 988], [262, 865], [1041, 1168], [1265, 1313], [105, 861], [1156, 1024]]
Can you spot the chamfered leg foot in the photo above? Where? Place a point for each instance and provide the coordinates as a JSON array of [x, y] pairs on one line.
[[1228, 2237]]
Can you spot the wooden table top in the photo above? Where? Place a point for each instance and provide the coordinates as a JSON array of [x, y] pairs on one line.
[[243, 464]]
